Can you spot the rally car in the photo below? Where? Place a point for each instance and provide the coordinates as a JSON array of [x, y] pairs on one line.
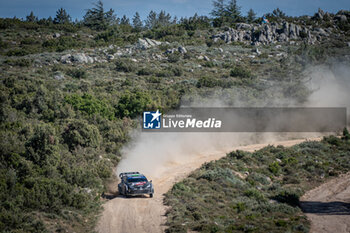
[[134, 183]]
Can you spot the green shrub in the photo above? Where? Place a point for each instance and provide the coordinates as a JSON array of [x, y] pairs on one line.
[[177, 71], [90, 105], [145, 71], [22, 62], [77, 73], [125, 65], [288, 197], [17, 52], [207, 82], [240, 72], [346, 134], [133, 104], [164, 73], [29, 41], [80, 133], [174, 57], [41, 148], [274, 168]]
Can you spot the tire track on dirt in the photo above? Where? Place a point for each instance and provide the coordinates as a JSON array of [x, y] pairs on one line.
[[143, 214]]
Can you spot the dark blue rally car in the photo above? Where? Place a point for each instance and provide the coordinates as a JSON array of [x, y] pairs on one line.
[[134, 183]]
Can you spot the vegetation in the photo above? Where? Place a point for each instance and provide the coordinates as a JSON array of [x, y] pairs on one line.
[[63, 123], [255, 192]]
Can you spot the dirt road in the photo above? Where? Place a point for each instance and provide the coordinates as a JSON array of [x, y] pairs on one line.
[[328, 206], [143, 214]]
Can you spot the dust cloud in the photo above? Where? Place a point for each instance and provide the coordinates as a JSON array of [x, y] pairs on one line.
[[153, 153]]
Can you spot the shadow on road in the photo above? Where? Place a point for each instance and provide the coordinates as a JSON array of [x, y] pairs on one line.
[[325, 208]]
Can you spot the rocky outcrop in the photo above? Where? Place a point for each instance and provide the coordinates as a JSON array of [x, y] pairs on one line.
[[146, 43], [267, 33], [76, 58]]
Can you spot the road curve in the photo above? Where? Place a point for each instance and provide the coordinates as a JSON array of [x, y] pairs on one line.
[[143, 214], [328, 206]]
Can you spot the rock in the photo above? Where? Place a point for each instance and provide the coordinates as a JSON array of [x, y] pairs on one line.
[[170, 51], [243, 26], [200, 57], [341, 18], [56, 35], [265, 34], [321, 31], [206, 58], [256, 50], [278, 46], [221, 50], [182, 50], [348, 43], [66, 59], [90, 59], [142, 44], [319, 14], [110, 57], [134, 60], [146, 43], [58, 75], [81, 58]]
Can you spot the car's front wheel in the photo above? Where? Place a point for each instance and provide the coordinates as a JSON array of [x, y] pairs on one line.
[[151, 195]]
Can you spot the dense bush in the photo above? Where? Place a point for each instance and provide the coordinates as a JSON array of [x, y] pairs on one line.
[[240, 72], [132, 104], [125, 65], [57, 149], [90, 105], [77, 73], [80, 133]]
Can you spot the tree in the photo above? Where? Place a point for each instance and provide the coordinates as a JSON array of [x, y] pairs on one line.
[[97, 18], [31, 17], [62, 17], [110, 17], [233, 12], [219, 8], [278, 13], [137, 23], [164, 19], [226, 13], [251, 16], [151, 20], [125, 20]]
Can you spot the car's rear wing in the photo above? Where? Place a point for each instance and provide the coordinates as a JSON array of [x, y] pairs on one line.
[[127, 173]]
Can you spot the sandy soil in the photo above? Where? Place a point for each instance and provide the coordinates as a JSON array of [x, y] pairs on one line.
[[328, 206], [143, 214]]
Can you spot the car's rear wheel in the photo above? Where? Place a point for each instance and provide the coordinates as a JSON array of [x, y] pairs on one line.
[[151, 195]]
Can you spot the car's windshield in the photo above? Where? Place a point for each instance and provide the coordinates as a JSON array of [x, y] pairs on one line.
[[136, 180]]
